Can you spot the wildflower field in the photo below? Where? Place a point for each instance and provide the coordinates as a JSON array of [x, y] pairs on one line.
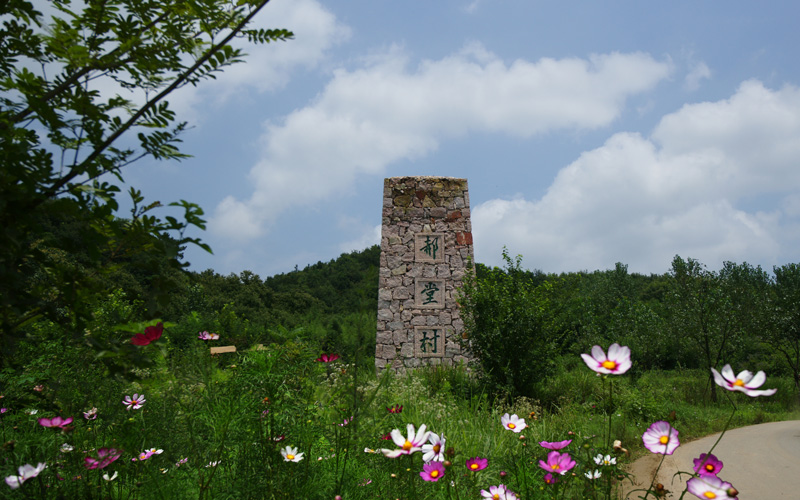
[[288, 421]]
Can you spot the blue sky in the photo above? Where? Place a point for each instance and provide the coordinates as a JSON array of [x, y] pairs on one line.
[[590, 132]]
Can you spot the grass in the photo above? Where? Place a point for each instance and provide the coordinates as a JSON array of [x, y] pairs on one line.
[[239, 410]]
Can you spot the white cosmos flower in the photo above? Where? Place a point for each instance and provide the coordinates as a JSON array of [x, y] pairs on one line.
[[408, 445], [290, 454], [434, 450]]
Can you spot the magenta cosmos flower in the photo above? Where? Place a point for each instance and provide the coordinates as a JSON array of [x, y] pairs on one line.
[[556, 445], [513, 422], [706, 487], [745, 382], [208, 336], [395, 409], [327, 358], [661, 438], [558, 463], [550, 479], [55, 422], [707, 466], [134, 402], [432, 471], [477, 463], [151, 334], [408, 445], [617, 362], [104, 458]]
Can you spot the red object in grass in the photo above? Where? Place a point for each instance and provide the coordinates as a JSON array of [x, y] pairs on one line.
[[395, 409], [327, 358], [151, 334]]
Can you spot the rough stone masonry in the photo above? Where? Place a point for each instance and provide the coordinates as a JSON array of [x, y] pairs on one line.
[[426, 246]]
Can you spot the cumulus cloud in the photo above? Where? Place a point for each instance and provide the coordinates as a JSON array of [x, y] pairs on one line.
[[372, 116], [371, 236], [642, 200], [699, 71], [269, 66]]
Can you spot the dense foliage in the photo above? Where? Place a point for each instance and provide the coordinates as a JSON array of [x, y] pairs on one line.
[[77, 82], [519, 322]]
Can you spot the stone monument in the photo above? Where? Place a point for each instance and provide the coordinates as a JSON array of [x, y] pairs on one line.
[[426, 245]]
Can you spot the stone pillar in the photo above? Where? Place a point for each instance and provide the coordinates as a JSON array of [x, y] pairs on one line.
[[426, 244]]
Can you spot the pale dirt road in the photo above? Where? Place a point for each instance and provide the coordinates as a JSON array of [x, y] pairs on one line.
[[761, 461]]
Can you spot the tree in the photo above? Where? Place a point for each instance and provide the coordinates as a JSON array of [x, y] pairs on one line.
[[508, 319], [784, 331], [61, 137], [701, 309]]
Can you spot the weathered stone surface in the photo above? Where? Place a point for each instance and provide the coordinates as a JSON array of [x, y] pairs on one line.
[[414, 207]]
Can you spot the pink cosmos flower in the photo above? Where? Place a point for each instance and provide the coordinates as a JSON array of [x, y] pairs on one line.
[[105, 456], [558, 463], [617, 362], [55, 422], [556, 445], [408, 445], [432, 471], [434, 450], [661, 438], [134, 402], [513, 422], [327, 358], [499, 492], [706, 487], [550, 479], [477, 463], [151, 334], [26, 472], [208, 336], [148, 453], [91, 414], [707, 466], [745, 382]]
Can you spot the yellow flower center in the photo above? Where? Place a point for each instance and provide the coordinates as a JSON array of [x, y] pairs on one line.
[[709, 467], [473, 466], [609, 365], [663, 439], [710, 494], [436, 448], [511, 426], [434, 473], [407, 445], [555, 466], [496, 496], [739, 382], [290, 456]]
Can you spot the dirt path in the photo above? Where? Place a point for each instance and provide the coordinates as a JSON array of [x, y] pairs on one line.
[[761, 461]]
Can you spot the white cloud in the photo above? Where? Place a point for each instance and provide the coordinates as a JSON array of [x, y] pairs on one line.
[[370, 117], [699, 71], [269, 66], [641, 201], [372, 236]]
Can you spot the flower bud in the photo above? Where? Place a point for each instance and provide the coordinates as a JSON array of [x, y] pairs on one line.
[[448, 463], [503, 473], [732, 492]]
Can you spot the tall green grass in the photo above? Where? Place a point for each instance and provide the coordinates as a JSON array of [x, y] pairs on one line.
[[239, 410]]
